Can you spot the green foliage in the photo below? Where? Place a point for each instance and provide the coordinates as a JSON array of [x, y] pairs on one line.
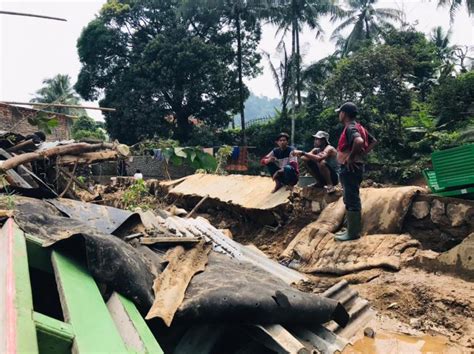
[[44, 122], [191, 156], [159, 65], [222, 155], [452, 101], [86, 128], [136, 196], [58, 90]]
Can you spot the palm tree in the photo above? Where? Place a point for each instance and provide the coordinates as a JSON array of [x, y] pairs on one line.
[[455, 5], [444, 51], [59, 90], [283, 77], [292, 16], [367, 21]]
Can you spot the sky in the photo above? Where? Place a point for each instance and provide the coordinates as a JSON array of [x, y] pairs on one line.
[[34, 49]]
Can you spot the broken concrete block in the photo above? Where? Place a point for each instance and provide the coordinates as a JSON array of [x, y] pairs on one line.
[[438, 212], [315, 207], [457, 213], [460, 257], [420, 210]]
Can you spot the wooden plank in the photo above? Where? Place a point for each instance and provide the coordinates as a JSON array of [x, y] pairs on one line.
[[131, 325], [84, 309], [54, 337], [39, 257], [169, 240], [17, 329]]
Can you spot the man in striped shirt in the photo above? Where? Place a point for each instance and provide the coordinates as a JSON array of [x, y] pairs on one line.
[[282, 164]]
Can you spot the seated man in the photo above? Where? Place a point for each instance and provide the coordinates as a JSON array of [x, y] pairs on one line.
[[282, 164], [321, 162]]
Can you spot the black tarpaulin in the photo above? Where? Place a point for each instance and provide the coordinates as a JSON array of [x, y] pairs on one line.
[[227, 291]]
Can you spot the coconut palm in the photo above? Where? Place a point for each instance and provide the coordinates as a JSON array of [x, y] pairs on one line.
[[444, 51], [455, 5], [291, 16], [367, 23], [58, 90]]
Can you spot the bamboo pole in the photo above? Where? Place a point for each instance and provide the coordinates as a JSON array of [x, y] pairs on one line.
[[32, 15], [59, 105]]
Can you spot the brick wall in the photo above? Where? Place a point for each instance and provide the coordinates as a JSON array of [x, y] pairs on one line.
[[150, 168], [15, 119]]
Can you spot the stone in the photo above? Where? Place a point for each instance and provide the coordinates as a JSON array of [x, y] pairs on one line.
[[315, 207], [369, 332], [457, 213], [420, 210], [438, 212]]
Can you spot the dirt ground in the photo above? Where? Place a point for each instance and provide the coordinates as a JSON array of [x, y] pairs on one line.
[[425, 303], [411, 301]]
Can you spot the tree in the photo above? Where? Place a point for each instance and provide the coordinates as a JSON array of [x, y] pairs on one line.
[[455, 5], [242, 20], [423, 56], [444, 51], [452, 102], [58, 90], [158, 68], [283, 75], [367, 23], [85, 127], [292, 16]]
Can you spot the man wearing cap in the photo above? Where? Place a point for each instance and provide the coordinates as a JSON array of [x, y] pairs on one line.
[[355, 142], [281, 163], [321, 162]]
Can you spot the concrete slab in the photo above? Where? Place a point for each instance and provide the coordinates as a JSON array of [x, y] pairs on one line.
[[250, 192]]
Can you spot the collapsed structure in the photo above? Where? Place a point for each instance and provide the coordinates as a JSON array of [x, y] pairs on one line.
[[200, 290]]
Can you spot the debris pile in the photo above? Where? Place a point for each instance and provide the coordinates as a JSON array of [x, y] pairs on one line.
[[34, 167]]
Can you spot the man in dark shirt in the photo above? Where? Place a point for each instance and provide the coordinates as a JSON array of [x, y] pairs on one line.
[[355, 142], [282, 163]]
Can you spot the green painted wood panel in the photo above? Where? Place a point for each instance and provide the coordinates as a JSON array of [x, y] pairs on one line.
[[26, 340], [149, 341], [84, 309], [54, 337]]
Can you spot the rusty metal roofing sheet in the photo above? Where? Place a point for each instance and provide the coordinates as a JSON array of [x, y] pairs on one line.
[[250, 192]]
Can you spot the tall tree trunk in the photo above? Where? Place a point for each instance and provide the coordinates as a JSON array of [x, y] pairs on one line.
[[183, 127], [241, 83], [298, 67]]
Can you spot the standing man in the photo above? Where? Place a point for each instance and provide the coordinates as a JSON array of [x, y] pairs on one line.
[[355, 142], [281, 163], [321, 162]]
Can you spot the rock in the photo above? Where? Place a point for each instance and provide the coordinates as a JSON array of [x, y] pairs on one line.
[[415, 323], [457, 213], [420, 210], [393, 305], [315, 207], [438, 210], [369, 332]]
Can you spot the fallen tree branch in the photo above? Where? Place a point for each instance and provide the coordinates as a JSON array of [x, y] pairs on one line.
[[69, 182], [88, 157], [197, 206], [60, 150]]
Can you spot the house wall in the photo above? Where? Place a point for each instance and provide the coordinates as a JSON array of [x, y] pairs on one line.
[[15, 119]]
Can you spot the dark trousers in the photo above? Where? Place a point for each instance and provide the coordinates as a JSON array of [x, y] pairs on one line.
[[313, 169], [288, 177], [350, 181]]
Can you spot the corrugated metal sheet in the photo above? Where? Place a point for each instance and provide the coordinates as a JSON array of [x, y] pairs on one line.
[[250, 192]]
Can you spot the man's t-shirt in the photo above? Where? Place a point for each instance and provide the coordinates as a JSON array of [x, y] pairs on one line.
[[284, 157], [352, 133]]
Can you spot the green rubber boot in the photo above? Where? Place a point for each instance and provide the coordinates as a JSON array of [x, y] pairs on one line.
[[354, 227]]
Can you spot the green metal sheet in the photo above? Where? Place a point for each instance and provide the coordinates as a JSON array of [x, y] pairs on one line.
[[454, 167]]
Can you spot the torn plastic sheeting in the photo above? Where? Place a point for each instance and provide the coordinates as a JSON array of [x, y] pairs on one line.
[[103, 218], [228, 291], [250, 192]]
